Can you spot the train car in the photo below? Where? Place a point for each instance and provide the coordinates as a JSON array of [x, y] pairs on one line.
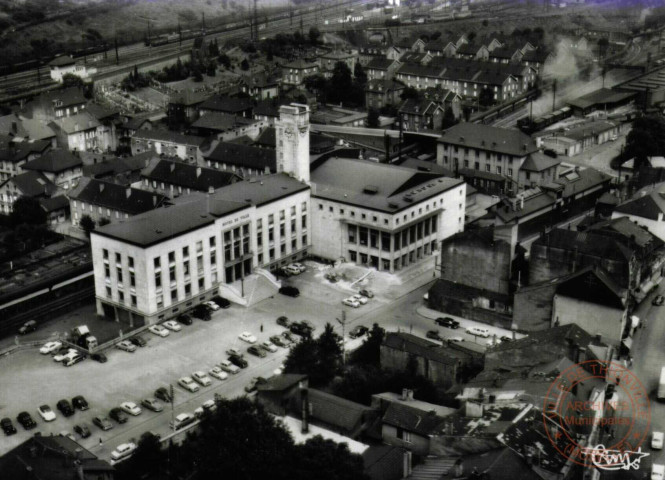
[[529, 126]]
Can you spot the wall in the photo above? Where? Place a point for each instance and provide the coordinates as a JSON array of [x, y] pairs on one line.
[[438, 373], [594, 318], [532, 308], [416, 444]]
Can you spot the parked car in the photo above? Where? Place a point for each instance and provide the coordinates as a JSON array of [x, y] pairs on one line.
[[118, 415], [301, 268], [103, 423], [185, 319], [182, 420], [131, 408], [126, 346], [504, 338], [73, 359], [79, 402], [238, 360], [658, 301], [657, 441], [290, 291], [28, 327], [301, 328], [279, 341], [256, 350], [211, 305], [434, 335], [251, 386], [268, 346], [218, 373], [152, 404], [478, 332], [247, 337], [201, 312], [291, 269], [366, 293], [201, 378], [229, 367], [454, 339], [61, 356], [173, 325], [447, 322], [99, 357], [163, 394], [283, 321], [26, 421], [138, 341], [360, 299], [351, 302], [159, 331], [65, 407], [123, 451], [7, 426], [46, 413], [82, 429], [358, 331], [288, 338], [221, 301], [50, 347], [188, 384]]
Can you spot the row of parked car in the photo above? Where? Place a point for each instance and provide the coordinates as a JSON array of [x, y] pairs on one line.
[[65, 407]]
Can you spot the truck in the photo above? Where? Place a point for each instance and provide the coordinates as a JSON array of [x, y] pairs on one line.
[[661, 385], [82, 337]]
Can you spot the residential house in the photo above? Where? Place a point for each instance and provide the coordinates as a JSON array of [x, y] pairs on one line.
[[64, 65], [61, 167], [55, 104], [646, 209], [472, 51], [328, 61], [80, 132], [341, 117], [420, 76], [28, 184], [261, 86], [541, 60], [441, 48], [422, 114], [382, 69], [446, 98], [238, 106], [184, 107], [106, 133], [506, 54], [123, 171], [379, 93], [244, 159], [294, 73], [171, 144], [421, 58], [56, 209], [277, 391], [369, 50], [130, 126], [226, 127], [14, 155]]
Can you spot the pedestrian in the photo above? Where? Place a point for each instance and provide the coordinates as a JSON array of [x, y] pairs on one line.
[[261, 328], [630, 362], [100, 441]]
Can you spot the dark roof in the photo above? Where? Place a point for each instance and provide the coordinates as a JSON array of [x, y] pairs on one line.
[[383, 85], [171, 137], [99, 112], [469, 49], [15, 152], [62, 61], [497, 464], [33, 184], [383, 462], [564, 335], [77, 123], [136, 122], [538, 161], [537, 55], [54, 203], [187, 175], [335, 411], [423, 348], [110, 167], [117, 197], [244, 156], [188, 98], [228, 104], [494, 139], [269, 108], [379, 63], [65, 97], [505, 52], [300, 64], [421, 70], [585, 243], [593, 285], [54, 161], [601, 96], [268, 138], [220, 121], [650, 205], [412, 106], [412, 419], [281, 382]]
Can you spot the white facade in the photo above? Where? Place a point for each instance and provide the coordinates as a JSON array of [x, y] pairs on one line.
[[292, 137], [57, 72], [655, 226]]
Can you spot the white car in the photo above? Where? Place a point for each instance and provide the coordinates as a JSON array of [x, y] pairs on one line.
[[657, 440], [159, 330], [50, 347], [657, 471], [268, 346], [293, 270], [211, 305], [46, 413], [360, 299], [455, 339], [131, 408], [218, 373], [299, 266], [492, 342], [122, 451], [229, 367], [478, 332], [61, 357], [188, 384], [351, 302], [201, 378], [182, 420], [247, 337], [173, 325]]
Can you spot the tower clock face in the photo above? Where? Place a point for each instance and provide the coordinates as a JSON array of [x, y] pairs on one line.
[[288, 132]]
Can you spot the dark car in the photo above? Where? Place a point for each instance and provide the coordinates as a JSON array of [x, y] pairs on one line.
[[278, 340], [221, 301], [163, 394], [201, 312], [358, 331], [82, 429], [658, 301], [103, 423], [251, 386], [283, 321], [301, 328], [447, 322], [238, 360], [80, 402], [290, 291], [26, 420], [434, 334], [287, 335], [65, 408], [138, 341], [185, 319], [7, 426], [118, 415], [29, 326], [254, 350], [506, 339], [99, 357]]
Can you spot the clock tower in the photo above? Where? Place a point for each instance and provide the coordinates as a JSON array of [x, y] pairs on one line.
[[292, 137]]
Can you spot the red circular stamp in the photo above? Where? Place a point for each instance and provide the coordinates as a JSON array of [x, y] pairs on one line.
[[598, 413]]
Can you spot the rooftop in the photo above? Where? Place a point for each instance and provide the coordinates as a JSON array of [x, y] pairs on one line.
[[649, 205], [117, 197], [334, 411], [62, 61], [33, 184], [187, 175], [77, 123], [54, 161], [602, 96], [228, 104], [423, 348], [494, 139], [170, 137], [244, 156]]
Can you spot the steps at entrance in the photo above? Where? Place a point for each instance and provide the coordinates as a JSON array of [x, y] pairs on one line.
[[257, 287]]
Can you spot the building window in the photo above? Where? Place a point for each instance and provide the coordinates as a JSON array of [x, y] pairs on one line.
[[213, 258], [199, 246], [171, 257], [130, 261], [352, 233], [132, 280], [320, 206], [304, 241], [188, 290], [303, 207], [118, 259], [212, 242], [201, 284], [510, 172], [185, 252], [487, 167], [498, 170], [119, 272], [303, 221], [158, 279], [172, 274], [121, 297], [133, 297], [109, 293]]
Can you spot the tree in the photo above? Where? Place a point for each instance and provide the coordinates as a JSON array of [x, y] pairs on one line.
[[372, 118], [486, 97], [104, 221], [71, 80], [448, 118], [340, 83], [646, 139], [224, 60], [359, 74], [369, 353], [148, 458], [314, 35], [325, 459], [318, 359], [410, 93], [27, 210], [244, 64], [87, 224], [603, 43]]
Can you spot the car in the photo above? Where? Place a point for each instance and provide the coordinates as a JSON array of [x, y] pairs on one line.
[[234, 351], [257, 350], [118, 415], [221, 301], [123, 451], [50, 347], [62, 356], [351, 302], [492, 342], [211, 305], [288, 338], [613, 138], [209, 405], [658, 301], [284, 272], [247, 337], [279, 341], [185, 319], [657, 440], [163, 394], [478, 332], [65, 407], [26, 421], [152, 404], [251, 386], [360, 299], [268, 346], [238, 360], [434, 335], [291, 269], [131, 408], [126, 346], [67, 434], [46, 413], [299, 266], [454, 339], [657, 471], [73, 359], [7, 426], [99, 357], [138, 341], [283, 321], [201, 312], [290, 291], [366, 293], [188, 384], [302, 329], [504, 338], [79, 402], [227, 366], [28, 327], [182, 420], [218, 373], [82, 429], [201, 378], [358, 331], [426, 297], [103, 423], [447, 322], [173, 325], [159, 331]]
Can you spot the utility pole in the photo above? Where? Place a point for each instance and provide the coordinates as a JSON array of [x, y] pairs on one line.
[[179, 35], [117, 58], [171, 395], [203, 21], [553, 94], [342, 322]]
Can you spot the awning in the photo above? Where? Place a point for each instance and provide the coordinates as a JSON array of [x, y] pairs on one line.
[[635, 321], [628, 342]]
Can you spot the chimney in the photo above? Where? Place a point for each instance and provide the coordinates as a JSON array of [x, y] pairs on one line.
[[599, 338], [128, 192], [198, 172], [521, 203], [304, 400], [101, 187], [405, 394]]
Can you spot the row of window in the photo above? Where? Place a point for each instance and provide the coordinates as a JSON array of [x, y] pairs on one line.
[[391, 242]]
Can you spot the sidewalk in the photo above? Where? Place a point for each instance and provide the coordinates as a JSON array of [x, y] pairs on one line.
[[426, 312]]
